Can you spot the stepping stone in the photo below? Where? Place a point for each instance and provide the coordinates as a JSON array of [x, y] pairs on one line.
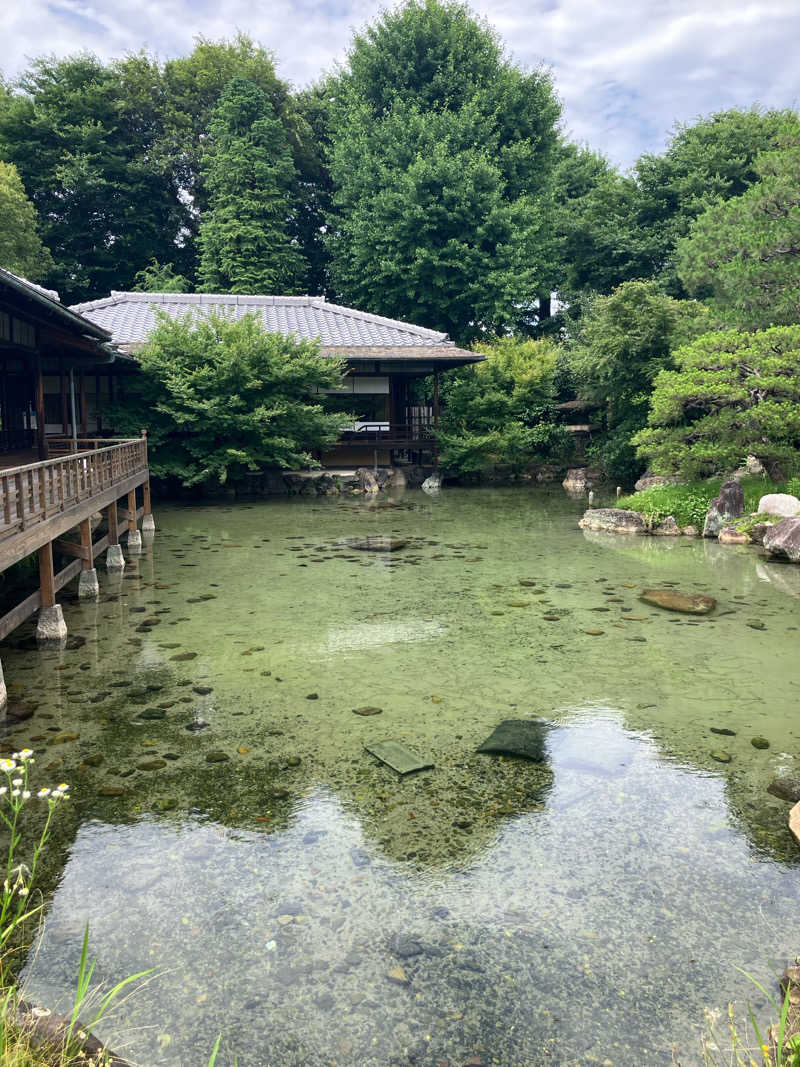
[[397, 756], [518, 737], [672, 600]]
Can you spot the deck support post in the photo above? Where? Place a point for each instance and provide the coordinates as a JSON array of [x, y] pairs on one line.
[[134, 537], [50, 627], [88, 585], [115, 561], [148, 522]]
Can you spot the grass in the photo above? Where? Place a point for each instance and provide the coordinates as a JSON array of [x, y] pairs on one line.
[[745, 1046], [688, 502]]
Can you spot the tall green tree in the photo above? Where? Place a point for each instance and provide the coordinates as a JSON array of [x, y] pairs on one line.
[[245, 243], [501, 412], [441, 156], [221, 398], [21, 248], [706, 162], [730, 395], [84, 144], [744, 255], [625, 340]]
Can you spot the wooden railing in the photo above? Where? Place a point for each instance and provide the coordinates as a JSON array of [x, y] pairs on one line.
[[37, 492], [376, 433]]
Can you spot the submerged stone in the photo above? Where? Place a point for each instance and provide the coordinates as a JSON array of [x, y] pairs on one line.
[[152, 714], [786, 789], [723, 730], [376, 543], [368, 711], [720, 756], [672, 600], [183, 657], [398, 756], [217, 756], [759, 742], [398, 976], [519, 737], [151, 764]]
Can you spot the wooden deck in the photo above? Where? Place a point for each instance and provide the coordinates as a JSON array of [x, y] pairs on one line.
[[41, 501]]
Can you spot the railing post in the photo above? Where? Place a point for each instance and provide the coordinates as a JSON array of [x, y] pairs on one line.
[[50, 627]]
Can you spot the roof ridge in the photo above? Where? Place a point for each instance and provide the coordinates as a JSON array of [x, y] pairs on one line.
[[136, 297], [368, 316]]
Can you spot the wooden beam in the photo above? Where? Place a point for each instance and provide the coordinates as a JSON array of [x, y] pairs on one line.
[[41, 429], [124, 515], [70, 548], [86, 544], [14, 618], [46, 577]]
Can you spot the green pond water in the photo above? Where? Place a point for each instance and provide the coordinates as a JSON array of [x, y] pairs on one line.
[[581, 911]]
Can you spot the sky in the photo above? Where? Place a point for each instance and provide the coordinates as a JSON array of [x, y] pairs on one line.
[[625, 71]]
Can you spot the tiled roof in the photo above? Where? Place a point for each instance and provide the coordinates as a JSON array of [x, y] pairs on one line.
[[130, 317]]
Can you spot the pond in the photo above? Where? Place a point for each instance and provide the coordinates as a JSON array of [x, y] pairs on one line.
[[229, 829]]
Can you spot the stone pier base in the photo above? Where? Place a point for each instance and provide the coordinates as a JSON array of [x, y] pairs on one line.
[[148, 524], [3, 694], [115, 561], [134, 541], [88, 585], [51, 628]]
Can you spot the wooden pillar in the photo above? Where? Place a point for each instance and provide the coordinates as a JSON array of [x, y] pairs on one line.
[[41, 429], [113, 529], [132, 510], [64, 414], [86, 545], [148, 510], [47, 586], [436, 398], [84, 431], [98, 405]]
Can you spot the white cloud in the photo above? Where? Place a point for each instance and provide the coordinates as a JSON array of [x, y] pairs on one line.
[[625, 73]]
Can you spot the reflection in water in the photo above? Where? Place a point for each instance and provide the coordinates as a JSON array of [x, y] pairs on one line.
[[230, 827], [581, 932]]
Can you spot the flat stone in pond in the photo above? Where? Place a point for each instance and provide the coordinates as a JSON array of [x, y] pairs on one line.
[[183, 657], [759, 742], [672, 600], [218, 756], [518, 737], [152, 714], [151, 764], [376, 543], [723, 730], [720, 756], [397, 756], [368, 711]]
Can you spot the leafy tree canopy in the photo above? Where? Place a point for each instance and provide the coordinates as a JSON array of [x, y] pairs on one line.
[[731, 395], [500, 412], [440, 162], [222, 397], [21, 248], [160, 278], [744, 254], [244, 239], [707, 161], [625, 340]]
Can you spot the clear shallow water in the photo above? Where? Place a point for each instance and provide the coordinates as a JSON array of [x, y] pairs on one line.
[[581, 912]]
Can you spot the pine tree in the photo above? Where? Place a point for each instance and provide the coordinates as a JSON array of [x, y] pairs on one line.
[[245, 242]]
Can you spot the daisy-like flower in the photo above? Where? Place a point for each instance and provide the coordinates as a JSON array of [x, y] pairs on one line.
[[43, 793], [17, 781], [8, 765], [26, 794], [3, 790], [15, 792], [25, 754]]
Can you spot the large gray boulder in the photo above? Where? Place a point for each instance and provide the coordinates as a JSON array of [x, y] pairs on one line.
[[782, 541], [783, 504], [367, 480], [433, 483], [613, 520], [724, 508], [579, 479], [649, 481]]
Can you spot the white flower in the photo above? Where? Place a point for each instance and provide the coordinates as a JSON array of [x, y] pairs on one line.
[[17, 781], [3, 790], [15, 792], [7, 765], [23, 892], [43, 793], [63, 787], [26, 794], [25, 754]]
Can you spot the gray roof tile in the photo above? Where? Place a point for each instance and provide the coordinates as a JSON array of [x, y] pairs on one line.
[[130, 317]]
